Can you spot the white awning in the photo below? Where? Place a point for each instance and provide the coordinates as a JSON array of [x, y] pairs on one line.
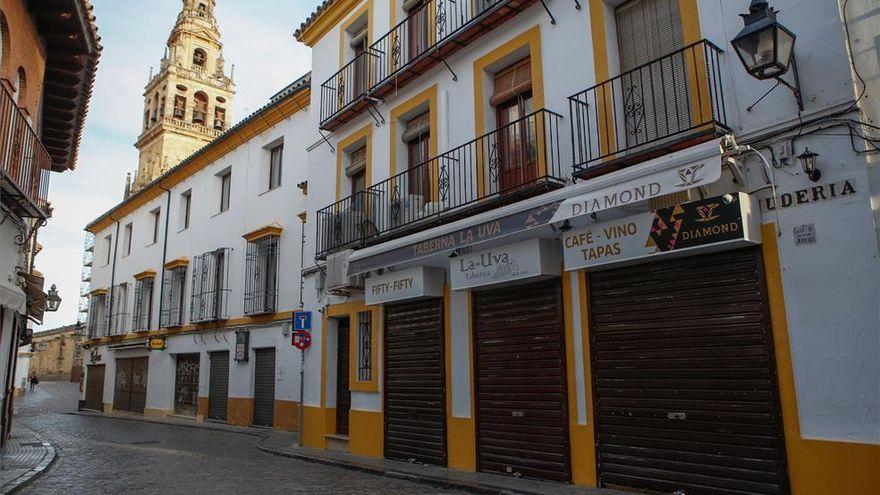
[[12, 297]]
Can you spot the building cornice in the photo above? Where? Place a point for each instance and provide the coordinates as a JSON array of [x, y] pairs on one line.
[[266, 231], [330, 13], [176, 263]]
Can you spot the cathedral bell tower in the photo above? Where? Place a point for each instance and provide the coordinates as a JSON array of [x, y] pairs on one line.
[[187, 103]]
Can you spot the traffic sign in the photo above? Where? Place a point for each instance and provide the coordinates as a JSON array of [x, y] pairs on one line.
[[302, 339], [302, 320]]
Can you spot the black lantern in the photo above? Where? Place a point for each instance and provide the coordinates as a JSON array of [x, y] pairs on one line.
[[53, 300], [766, 47], [808, 163]]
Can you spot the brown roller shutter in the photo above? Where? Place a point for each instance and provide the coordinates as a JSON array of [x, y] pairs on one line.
[[522, 411], [130, 392], [186, 384], [415, 398], [218, 385], [95, 388], [685, 377], [264, 387], [343, 394]]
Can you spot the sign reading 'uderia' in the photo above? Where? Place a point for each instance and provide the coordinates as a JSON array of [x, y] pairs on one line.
[[709, 223]]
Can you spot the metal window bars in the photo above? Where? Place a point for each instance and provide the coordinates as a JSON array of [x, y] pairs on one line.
[[173, 294], [261, 276], [119, 309], [97, 321], [519, 159], [143, 304], [365, 346], [663, 103], [25, 164], [210, 286]]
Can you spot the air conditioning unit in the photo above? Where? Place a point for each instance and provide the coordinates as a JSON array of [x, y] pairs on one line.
[[338, 282]]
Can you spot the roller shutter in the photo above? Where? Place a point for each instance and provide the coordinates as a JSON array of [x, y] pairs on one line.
[[685, 377], [522, 411], [343, 394], [264, 387], [218, 385], [95, 388], [186, 384], [415, 399]]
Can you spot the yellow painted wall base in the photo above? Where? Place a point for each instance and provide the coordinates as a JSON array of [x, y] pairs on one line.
[[156, 413], [313, 430], [461, 443], [583, 455], [365, 433], [202, 408], [239, 411], [287, 415], [108, 408]]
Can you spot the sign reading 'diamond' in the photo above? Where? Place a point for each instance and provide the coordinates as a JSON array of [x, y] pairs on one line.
[[518, 262], [705, 225], [412, 283]]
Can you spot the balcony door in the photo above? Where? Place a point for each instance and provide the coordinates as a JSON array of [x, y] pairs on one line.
[[515, 160], [653, 89], [417, 27]]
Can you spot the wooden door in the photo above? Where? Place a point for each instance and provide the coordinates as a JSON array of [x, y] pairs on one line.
[[95, 388], [343, 394], [517, 142]]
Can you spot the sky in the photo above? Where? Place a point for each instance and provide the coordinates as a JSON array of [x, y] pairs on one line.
[[258, 39]]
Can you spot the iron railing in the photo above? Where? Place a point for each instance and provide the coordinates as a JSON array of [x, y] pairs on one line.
[[261, 276], [663, 102], [425, 37], [520, 157], [173, 295], [143, 305], [119, 310], [210, 286], [25, 163]]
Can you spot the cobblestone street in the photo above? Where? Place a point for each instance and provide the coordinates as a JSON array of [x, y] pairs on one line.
[[105, 455]]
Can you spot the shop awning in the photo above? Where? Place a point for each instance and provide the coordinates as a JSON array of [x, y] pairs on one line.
[[686, 169]]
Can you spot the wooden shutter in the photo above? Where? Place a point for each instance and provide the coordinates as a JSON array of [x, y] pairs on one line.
[[512, 81]]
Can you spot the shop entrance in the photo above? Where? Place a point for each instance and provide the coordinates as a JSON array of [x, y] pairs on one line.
[[186, 385], [684, 376], [343, 394], [520, 381], [130, 392], [95, 388], [414, 392]]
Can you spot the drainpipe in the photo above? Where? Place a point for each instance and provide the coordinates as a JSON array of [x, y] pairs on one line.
[[113, 273], [164, 250]]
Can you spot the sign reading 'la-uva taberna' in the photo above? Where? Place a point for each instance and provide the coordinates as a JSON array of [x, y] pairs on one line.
[[705, 225]]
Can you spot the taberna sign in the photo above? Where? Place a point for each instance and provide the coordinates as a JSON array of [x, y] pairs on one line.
[[520, 262], [412, 283], [713, 224]]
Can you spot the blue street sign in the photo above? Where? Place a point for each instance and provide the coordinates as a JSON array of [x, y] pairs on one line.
[[302, 320]]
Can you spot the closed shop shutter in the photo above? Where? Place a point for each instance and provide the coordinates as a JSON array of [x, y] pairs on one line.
[[218, 385], [130, 391], [522, 412], [685, 377], [264, 387], [95, 388], [415, 399], [343, 394], [186, 384]]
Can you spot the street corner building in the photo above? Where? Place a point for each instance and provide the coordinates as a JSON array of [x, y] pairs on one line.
[[48, 60], [600, 243]]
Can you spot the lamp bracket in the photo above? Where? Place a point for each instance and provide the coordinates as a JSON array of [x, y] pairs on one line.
[[795, 87]]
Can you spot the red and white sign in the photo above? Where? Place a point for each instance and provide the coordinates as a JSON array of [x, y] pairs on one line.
[[302, 339]]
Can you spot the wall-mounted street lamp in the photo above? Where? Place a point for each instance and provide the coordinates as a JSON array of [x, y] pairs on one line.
[[53, 300], [808, 163], [766, 49]]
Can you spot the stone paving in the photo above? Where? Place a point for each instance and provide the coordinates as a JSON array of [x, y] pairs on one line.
[[97, 455], [25, 456]]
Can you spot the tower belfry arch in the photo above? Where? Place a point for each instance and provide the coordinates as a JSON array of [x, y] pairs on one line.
[[188, 102]]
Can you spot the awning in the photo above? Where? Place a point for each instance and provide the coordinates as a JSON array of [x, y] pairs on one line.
[[686, 169], [12, 297]]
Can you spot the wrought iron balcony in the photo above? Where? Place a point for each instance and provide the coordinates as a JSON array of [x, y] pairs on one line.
[[668, 104], [426, 37], [518, 160], [24, 162]]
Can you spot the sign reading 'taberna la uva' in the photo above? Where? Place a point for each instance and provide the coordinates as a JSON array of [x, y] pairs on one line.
[[529, 260]]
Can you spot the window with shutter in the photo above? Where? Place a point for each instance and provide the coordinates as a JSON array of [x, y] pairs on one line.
[[512, 81]]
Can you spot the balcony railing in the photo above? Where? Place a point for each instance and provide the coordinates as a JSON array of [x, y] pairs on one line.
[[24, 162], [426, 37], [664, 105], [520, 159]]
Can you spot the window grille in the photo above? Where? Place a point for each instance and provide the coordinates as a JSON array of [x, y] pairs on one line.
[[173, 285], [143, 304], [210, 286], [97, 323], [365, 346], [119, 309], [261, 277]]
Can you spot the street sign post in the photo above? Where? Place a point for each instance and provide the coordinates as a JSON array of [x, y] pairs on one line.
[[302, 339]]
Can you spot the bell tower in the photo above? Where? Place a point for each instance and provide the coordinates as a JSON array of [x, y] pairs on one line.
[[188, 102]]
